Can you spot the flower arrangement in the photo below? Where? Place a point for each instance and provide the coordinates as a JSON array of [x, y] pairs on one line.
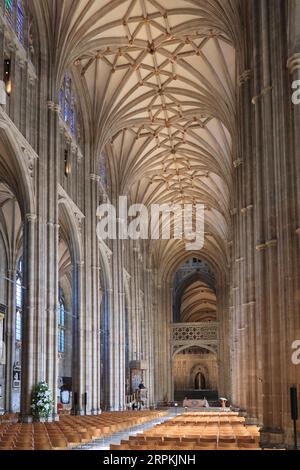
[[42, 403]]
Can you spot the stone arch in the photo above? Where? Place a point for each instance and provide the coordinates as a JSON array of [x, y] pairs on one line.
[[199, 344], [17, 164], [127, 321], [105, 287], [70, 220]]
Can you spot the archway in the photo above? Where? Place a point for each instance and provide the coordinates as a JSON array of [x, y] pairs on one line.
[[105, 287], [69, 302], [128, 390], [195, 373], [195, 331], [66, 325], [12, 293], [17, 253]]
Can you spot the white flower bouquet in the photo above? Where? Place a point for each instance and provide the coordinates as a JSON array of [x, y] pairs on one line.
[[42, 403]]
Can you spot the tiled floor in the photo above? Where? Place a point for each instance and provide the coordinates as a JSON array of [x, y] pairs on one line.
[[103, 444]]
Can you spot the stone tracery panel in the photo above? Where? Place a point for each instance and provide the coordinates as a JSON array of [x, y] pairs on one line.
[[195, 334]]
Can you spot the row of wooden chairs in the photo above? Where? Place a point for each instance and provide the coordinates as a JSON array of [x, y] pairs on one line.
[[231, 434], [69, 431]]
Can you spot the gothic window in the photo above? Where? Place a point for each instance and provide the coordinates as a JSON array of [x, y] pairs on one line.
[[67, 103], [20, 21], [19, 301], [9, 11], [103, 171], [61, 323], [14, 13]]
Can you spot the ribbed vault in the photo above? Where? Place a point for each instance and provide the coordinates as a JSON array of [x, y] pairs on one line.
[[157, 79], [198, 304]]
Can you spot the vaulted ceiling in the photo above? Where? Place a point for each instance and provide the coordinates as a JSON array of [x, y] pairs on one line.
[[158, 81], [198, 304]]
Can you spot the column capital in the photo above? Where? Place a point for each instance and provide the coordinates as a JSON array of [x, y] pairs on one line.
[[244, 77], [271, 243], [293, 63], [31, 217], [238, 162], [51, 105], [261, 247], [264, 92], [94, 177]]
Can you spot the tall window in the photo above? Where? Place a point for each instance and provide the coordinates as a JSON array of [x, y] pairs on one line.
[[9, 11], [61, 323], [20, 21], [67, 103], [19, 301], [103, 171], [14, 13]]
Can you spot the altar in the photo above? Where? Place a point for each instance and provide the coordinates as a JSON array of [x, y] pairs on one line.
[[195, 403]]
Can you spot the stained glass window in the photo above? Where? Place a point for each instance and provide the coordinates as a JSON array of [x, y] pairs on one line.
[[72, 121], [20, 21], [18, 293], [67, 103], [9, 11], [67, 110], [61, 323], [103, 171], [19, 301], [14, 13], [18, 325]]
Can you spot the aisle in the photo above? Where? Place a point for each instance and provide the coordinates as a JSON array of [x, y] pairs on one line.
[[104, 443]]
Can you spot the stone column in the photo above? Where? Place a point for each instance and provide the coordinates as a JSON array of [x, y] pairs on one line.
[[79, 352], [294, 69], [51, 287], [10, 335], [292, 307], [117, 331], [29, 317]]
